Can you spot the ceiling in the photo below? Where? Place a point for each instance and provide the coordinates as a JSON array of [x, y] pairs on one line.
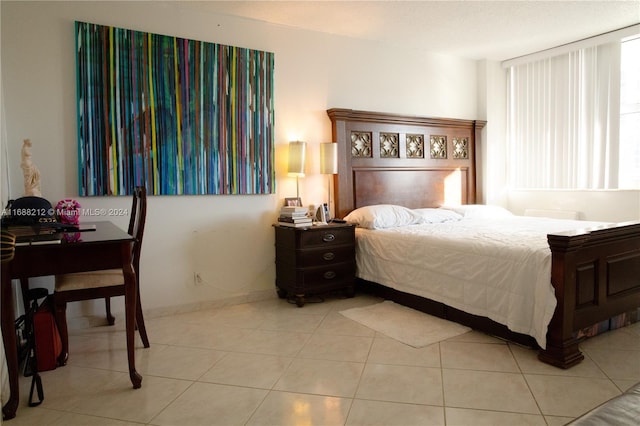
[[494, 30]]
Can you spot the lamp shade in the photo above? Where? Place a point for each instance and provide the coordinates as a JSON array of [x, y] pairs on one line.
[[329, 158], [297, 156]]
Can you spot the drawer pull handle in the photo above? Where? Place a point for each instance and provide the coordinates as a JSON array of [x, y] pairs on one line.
[[329, 275], [327, 238], [329, 256]]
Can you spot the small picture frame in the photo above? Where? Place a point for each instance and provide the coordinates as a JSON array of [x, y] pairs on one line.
[[293, 202]]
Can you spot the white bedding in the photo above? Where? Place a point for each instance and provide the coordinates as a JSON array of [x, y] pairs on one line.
[[497, 268]]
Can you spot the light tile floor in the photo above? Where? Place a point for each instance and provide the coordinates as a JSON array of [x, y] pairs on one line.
[[271, 363]]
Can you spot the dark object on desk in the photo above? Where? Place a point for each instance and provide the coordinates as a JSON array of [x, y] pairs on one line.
[[103, 284], [33, 219], [28, 211]]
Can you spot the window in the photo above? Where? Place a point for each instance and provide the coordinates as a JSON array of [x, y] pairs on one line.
[[630, 114], [574, 119]]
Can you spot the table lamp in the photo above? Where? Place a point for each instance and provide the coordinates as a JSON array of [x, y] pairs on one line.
[[329, 166], [297, 154]]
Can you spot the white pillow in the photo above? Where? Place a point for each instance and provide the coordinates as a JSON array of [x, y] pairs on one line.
[[382, 216], [482, 211], [430, 215]]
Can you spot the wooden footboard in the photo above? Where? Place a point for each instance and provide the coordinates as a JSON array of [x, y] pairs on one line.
[[596, 275]]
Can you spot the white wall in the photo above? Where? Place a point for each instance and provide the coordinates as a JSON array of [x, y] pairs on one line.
[[228, 240], [492, 108]]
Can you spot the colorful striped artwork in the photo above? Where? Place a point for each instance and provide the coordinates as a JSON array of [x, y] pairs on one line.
[[179, 116]]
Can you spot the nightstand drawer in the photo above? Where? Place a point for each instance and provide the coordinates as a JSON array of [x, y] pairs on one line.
[[326, 236], [315, 257], [314, 280], [320, 277], [327, 255]]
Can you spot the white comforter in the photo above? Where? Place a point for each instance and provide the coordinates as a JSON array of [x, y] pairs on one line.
[[499, 269]]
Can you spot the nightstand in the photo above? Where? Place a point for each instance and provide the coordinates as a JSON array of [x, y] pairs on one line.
[[314, 260]]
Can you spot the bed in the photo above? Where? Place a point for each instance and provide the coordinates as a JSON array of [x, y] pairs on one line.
[[421, 162]]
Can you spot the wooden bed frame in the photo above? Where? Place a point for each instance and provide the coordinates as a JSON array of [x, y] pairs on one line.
[[426, 162]]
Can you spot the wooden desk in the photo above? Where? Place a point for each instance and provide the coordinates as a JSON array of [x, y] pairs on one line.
[[108, 247]]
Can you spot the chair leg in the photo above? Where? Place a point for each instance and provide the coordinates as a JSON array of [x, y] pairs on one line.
[[140, 323], [110, 318], [24, 287], [60, 314]]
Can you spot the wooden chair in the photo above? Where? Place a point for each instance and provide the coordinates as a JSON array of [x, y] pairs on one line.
[[8, 246], [103, 284]]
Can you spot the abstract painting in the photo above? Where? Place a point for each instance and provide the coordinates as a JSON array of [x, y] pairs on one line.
[[177, 115]]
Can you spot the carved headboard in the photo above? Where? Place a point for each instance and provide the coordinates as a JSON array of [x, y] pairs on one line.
[[406, 160]]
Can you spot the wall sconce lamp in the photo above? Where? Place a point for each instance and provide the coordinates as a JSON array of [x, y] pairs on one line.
[[329, 165], [297, 157]]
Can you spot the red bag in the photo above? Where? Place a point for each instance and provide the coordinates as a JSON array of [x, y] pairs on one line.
[[48, 342]]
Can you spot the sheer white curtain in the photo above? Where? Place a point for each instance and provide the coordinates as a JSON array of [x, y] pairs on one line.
[[563, 120]]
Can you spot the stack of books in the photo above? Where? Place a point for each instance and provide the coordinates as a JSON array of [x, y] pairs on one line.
[[294, 216]]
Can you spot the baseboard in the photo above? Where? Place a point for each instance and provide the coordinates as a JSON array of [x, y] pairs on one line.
[[95, 320]]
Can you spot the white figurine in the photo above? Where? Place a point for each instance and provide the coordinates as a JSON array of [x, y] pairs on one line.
[[30, 172]]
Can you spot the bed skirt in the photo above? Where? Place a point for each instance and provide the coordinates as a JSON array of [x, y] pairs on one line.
[[484, 324]]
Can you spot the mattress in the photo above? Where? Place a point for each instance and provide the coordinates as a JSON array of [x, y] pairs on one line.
[[500, 269]]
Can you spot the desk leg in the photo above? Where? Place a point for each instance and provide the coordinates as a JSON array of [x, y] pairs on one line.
[[9, 340], [130, 301]]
